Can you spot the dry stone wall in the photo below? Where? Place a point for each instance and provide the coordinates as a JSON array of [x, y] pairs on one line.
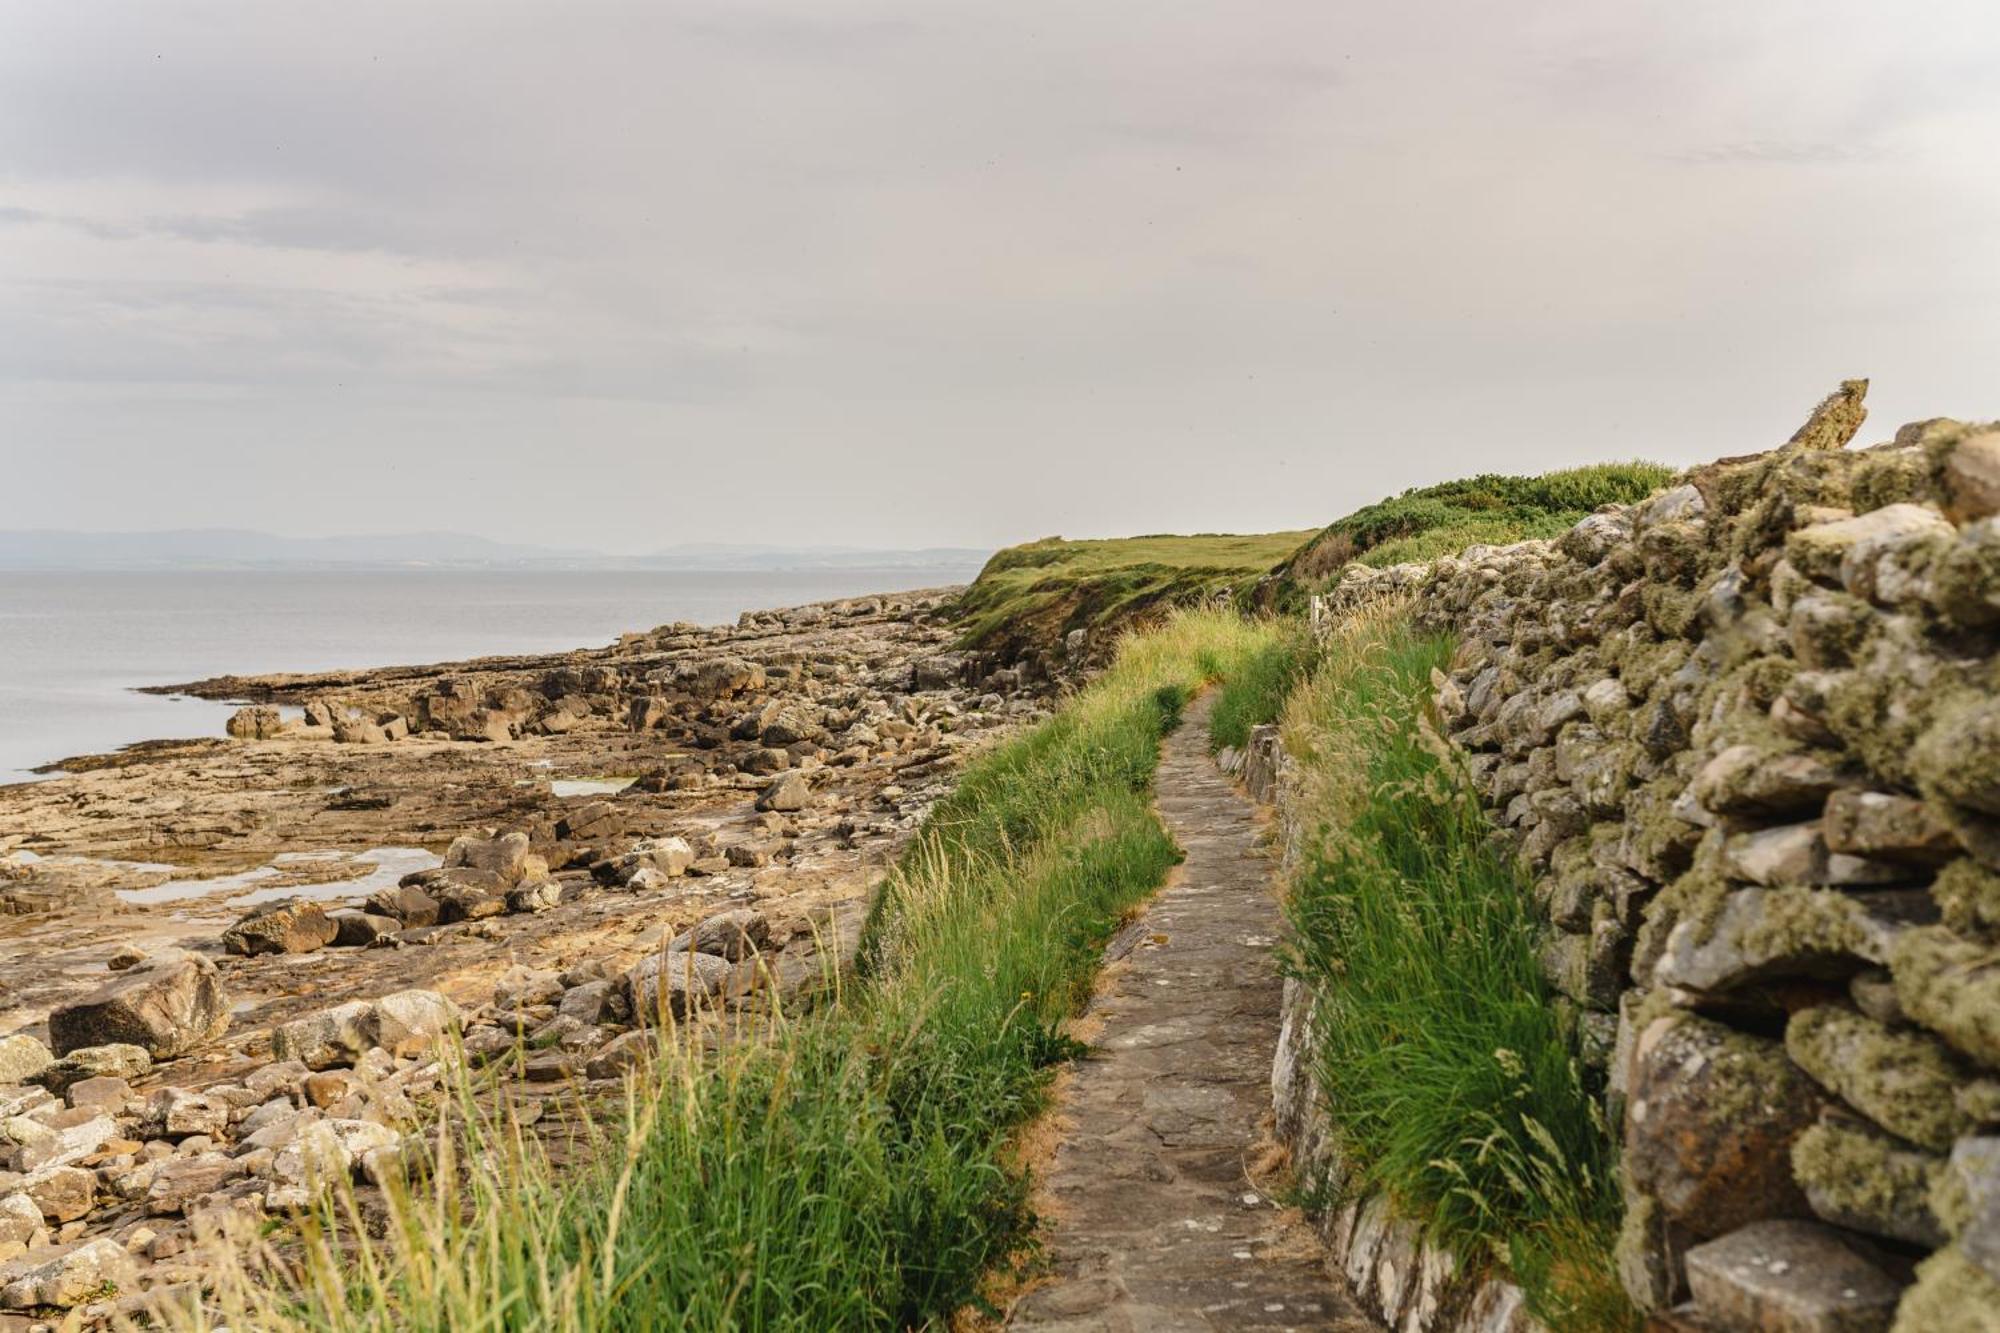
[[1746, 735]]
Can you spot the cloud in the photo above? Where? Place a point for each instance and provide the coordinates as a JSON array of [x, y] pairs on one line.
[[963, 273]]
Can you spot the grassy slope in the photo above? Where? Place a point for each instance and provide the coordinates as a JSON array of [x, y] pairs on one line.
[[1032, 595], [1446, 1068], [1431, 521], [849, 1171]]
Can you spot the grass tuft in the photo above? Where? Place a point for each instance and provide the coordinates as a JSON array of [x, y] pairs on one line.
[[1445, 1066]]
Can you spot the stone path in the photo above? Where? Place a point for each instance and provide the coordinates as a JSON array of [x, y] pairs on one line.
[[1156, 1222]]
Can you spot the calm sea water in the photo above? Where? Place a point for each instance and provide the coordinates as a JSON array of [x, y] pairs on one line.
[[73, 646]]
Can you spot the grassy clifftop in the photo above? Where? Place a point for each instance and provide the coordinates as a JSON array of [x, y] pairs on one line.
[[1032, 595], [1430, 521]]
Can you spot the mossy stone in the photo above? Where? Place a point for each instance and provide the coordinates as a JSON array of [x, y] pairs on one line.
[[1902, 1080]]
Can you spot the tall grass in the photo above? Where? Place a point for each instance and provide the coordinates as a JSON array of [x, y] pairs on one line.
[[1255, 693], [846, 1170], [1446, 1070]]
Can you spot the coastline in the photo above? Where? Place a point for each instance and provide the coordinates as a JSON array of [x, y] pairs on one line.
[[595, 758]]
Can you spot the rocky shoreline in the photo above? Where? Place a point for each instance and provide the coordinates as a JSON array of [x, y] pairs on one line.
[[234, 967]]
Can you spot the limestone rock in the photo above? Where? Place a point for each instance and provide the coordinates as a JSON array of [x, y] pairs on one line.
[[790, 792], [168, 1006], [681, 982], [1903, 1080], [113, 1060], [1858, 1177], [1710, 1121], [87, 1272], [1972, 477], [504, 856], [407, 903], [255, 723], [1791, 1277], [734, 935], [294, 925], [22, 1057]]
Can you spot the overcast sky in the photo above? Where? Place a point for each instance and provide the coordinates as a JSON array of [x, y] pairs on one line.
[[960, 273]]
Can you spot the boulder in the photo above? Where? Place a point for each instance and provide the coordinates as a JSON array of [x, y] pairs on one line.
[[535, 896], [294, 925], [167, 1006], [734, 935], [114, 1060], [680, 982], [358, 930], [177, 1113], [255, 723], [407, 903], [85, 1273], [1710, 1119], [790, 792], [22, 1057], [504, 856], [406, 1023]]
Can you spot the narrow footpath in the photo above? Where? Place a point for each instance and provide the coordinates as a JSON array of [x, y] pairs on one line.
[[1157, 1220]]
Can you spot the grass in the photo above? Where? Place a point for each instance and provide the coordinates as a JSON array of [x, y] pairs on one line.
[[1256, 691], [1032, 595], [1447, 1071], [846, 1170], [1432, 521]]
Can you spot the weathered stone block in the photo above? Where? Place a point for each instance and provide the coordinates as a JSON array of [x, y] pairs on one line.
[[1903, 1080], [1710, 1122], [1791, 1277], [167, 1006]]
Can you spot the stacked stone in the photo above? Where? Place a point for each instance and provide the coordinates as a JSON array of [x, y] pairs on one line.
[[1746, 735]]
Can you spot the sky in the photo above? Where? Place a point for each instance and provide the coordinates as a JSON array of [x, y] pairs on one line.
[[956, 273]]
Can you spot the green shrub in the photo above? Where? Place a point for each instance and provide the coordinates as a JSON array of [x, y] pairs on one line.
[[1447, 1071]]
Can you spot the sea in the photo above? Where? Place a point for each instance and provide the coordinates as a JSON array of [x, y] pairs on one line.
[[76, 646]]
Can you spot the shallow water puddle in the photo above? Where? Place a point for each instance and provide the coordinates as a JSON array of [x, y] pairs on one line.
[[588, 786], [386, 866]]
